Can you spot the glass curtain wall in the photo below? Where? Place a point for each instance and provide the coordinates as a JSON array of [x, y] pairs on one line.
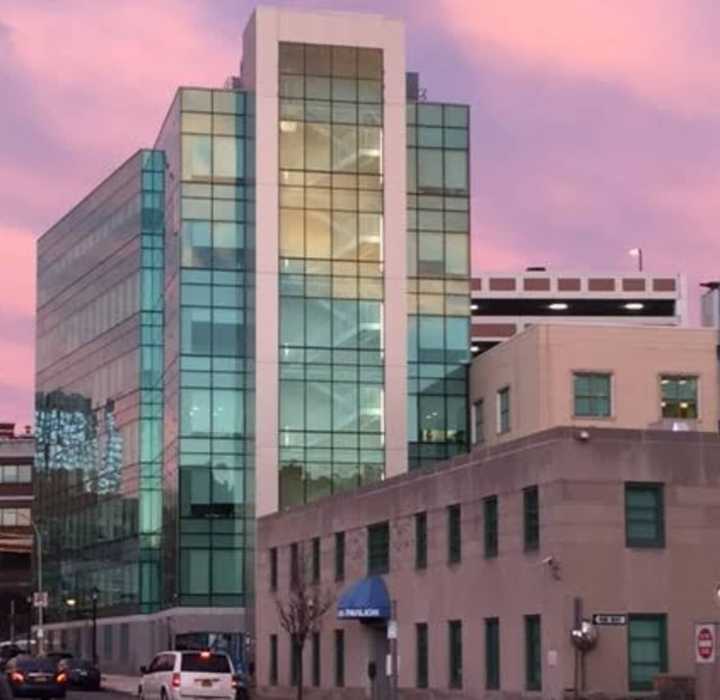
[[438, 281], [331, 344], [215, 492]]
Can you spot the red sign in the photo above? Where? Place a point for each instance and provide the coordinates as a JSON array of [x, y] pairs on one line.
[[704, 644]]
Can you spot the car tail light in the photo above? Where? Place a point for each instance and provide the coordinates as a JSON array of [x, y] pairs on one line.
[[176, 680], [62, 677], [17, 677], [236, 681], [204, 654]]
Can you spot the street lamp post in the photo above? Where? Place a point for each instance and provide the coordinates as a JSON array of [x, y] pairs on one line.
[[40, 607], [95, 592]]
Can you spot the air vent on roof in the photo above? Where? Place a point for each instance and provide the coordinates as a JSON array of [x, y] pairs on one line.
[[535, 269]]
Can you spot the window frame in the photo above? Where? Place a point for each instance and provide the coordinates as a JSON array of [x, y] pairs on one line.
[[316, 647], [531, 519], [478, 422], [610, 396], [657, 542], [492, 653], [455, 654], [420, 520], [375, 568], [661, 618], [491, 529], [273, 662], [503, 427], [671, 376], [340, 556], [273, 568], [316, 560], [454, 534], [422, 655], [339, 658], [533, 652]]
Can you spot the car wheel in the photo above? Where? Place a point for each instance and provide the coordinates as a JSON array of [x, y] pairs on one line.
[[163, 695]]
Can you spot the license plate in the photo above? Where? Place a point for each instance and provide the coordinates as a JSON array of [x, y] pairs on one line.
[[207, 684]]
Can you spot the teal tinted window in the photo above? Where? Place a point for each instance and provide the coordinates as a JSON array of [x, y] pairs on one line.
[[196, 157], [647, 650], [679, 397], [455, 654], [378, 549], [492, 653], [533, 653], [592, 395], [644, 515]]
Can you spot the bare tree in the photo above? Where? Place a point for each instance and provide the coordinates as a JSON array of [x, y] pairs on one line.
[[301, 612]]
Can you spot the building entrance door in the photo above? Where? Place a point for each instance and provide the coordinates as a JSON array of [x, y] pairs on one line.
[[377, 654]]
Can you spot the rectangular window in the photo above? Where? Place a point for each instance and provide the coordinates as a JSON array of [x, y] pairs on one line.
[[378, 545], [316, 560], [339, 658], [421, 655], [295, 661], [273, 660], [479, 408], [294, 565], [531, 518], [316, 659], [592, 395], [644, 515], [492, 653], [455, 653], [490, 520], [647, 650], [503, 410], [454, 534], [339, 556], [420, 540], [273, 568], [533, 658], [679, 397]]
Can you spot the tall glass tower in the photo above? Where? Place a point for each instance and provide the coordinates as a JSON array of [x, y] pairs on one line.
[[269, 306]]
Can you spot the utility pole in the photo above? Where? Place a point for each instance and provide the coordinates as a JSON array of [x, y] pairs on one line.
[[40, 607]]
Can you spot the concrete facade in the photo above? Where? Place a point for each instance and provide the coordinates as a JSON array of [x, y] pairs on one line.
[[538, 367], [582, 553]]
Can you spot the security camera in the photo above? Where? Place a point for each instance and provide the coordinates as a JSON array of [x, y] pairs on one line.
[[582, 435], [548, 561]]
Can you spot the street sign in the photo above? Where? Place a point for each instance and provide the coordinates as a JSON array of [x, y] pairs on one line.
[[705, 643], [609, 619], [392, 629], [40, 599]]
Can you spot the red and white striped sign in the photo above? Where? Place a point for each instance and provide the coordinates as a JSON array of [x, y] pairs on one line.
[[705, 644]]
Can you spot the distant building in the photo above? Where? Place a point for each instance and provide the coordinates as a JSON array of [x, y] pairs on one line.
[[710, 305], [270, 305], [16, 534], [606, 376], [593, 489], [505, 304]]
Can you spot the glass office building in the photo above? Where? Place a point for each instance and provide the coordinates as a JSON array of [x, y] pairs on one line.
[[269, 306]]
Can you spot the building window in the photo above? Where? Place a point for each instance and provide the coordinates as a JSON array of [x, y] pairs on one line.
[[339, 556], [503, 410], [679, 397], [647, 649], [533, 658], [295, 661], [479, 408], [15, 474], [339, 658], [490, 512], [316, 659], [592, 395], [454, 534], [273, 659], [316, 560], [378, 543], [294, 564], [420, 540], [644, 515], [492, 653], [273, 569], [421, 655], [455, 653], [531, 518]]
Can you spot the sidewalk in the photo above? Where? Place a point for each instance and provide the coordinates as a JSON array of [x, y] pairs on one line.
[[127, 685]]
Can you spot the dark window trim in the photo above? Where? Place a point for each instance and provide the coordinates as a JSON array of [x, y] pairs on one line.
[[533, 652], [454, 525], [340, 556], [421, 655], [655, 617], [316, 560], [273, 569], [492, 653], [531, 518], [659, 541], [316, 659], [339, 658], [377, 565], [273, 670], [455, 654], [421, 540], [491, 526]]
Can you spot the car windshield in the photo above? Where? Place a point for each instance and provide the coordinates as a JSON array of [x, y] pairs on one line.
[[205, 663], [32, 664]]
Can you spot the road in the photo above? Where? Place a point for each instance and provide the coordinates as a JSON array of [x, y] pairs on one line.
[[100, 695]]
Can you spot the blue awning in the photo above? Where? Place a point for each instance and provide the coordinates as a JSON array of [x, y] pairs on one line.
[[366, 599]]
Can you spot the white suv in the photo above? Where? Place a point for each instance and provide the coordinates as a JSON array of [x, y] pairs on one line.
[[182, 675]]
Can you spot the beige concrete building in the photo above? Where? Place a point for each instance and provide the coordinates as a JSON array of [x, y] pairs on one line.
[[494, 558], [602, 376]]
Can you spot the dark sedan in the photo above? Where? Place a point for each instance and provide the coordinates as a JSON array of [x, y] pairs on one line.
[[81, 673], [31, 677]]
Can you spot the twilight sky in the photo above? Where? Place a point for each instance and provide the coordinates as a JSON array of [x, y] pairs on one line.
[[596, 125]]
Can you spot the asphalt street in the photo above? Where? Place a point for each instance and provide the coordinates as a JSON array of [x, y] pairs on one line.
[[96, 695]]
